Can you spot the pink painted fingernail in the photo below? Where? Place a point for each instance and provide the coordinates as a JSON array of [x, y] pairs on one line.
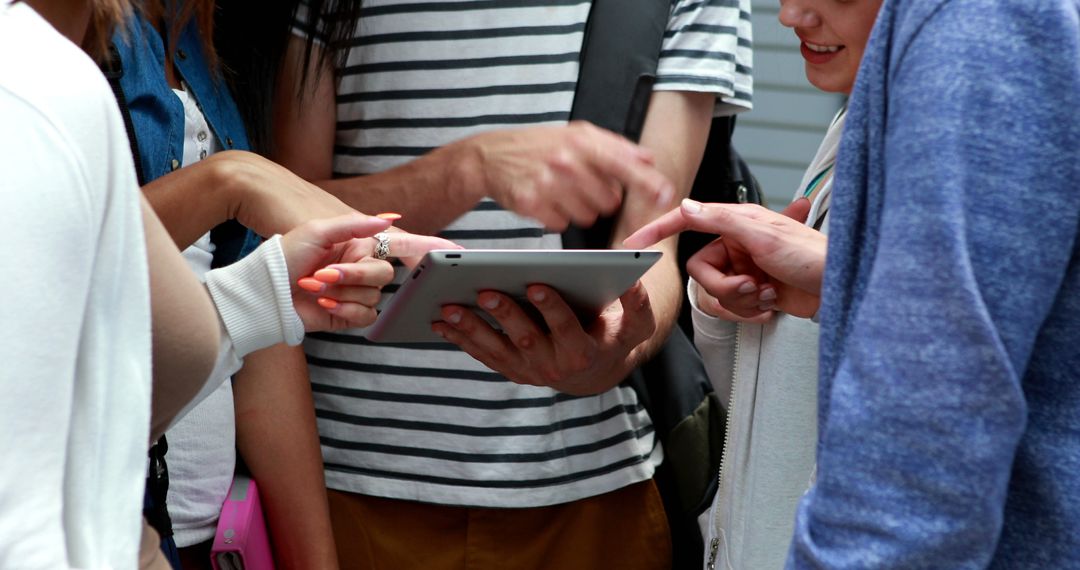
[[328, 275], [747, 287], [309, 284], [328, 304]]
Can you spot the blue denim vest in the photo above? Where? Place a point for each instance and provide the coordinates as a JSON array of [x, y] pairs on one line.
[[157, 115]]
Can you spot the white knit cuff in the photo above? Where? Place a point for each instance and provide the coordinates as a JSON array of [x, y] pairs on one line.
[[254, 299], [704, 323]]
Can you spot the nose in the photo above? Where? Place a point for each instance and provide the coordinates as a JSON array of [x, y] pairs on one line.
[[797, 14]]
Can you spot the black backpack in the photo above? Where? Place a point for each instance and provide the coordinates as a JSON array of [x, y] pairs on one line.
[[618, 69]]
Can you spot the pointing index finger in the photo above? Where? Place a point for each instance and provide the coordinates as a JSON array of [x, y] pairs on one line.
[[663, 227]]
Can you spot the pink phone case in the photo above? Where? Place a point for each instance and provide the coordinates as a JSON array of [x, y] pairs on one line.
[[242, 542]]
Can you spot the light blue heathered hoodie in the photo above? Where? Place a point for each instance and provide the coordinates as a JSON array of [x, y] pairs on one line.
[[949, 418]]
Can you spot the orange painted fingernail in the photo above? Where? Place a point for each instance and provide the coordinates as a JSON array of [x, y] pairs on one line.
[[392, 216], [328, 275], [309, 284], [328, 304]]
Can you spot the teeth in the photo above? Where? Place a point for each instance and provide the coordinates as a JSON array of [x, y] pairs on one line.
[[822, 49]]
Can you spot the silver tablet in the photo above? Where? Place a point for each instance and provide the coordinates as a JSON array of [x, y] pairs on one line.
[[588, 280]]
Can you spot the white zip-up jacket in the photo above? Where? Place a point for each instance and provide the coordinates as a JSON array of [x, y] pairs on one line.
[[767, 375]]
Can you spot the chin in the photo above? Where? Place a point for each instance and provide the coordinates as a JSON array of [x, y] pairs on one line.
[[828, 82]]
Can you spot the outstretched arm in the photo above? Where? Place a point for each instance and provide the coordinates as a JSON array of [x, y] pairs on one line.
[[525, 170], [233, 184]]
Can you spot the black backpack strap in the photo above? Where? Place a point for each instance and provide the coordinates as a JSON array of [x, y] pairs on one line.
[[113, 69], [155, 508], [617, 71], [618, 63], [619, 58], [157, 475]]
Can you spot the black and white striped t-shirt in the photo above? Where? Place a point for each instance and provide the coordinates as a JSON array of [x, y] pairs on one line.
[[429, 423]]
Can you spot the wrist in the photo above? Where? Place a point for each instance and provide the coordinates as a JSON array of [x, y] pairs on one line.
[[254, 300], [462, 169], [229, 181]]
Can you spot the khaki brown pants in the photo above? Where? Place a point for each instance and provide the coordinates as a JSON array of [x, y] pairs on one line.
[[624, 529]]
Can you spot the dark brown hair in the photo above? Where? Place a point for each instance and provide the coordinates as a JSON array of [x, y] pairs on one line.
[[106, 16], [252, 37]]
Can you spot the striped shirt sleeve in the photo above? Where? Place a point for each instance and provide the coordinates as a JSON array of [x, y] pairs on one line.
[[708, 48]]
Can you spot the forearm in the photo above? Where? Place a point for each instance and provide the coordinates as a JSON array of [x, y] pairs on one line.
[[192, 200], [277, 437], [429, 192], [184, 327], [676, 129], [254, 310], [663, 282]]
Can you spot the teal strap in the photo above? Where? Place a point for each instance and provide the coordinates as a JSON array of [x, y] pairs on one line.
[[817, 180]]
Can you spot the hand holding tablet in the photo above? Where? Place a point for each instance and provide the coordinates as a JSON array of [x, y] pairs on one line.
[[588, 280]]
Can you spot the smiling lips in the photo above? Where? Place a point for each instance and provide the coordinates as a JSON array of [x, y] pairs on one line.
[[818, 54]]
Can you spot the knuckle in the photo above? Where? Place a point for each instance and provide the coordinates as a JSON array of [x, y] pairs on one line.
[[370, 297], [495, 360], [586, 217], [361, 316], [525, 341], [524, 201], [465, 325], [579, 138], [503, 311], [611, 198], [382, 273], [564, 327], [580, 360], [559, 223], [550, 375], [451, 334], [564, 158]]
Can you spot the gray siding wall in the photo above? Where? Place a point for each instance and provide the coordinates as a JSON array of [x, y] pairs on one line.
[[779, 137]]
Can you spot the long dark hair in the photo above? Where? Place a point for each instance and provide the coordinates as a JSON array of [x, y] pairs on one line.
[[106, 16], [251, 37]]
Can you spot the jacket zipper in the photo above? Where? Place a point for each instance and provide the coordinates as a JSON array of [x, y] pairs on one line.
[[714, 545]]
